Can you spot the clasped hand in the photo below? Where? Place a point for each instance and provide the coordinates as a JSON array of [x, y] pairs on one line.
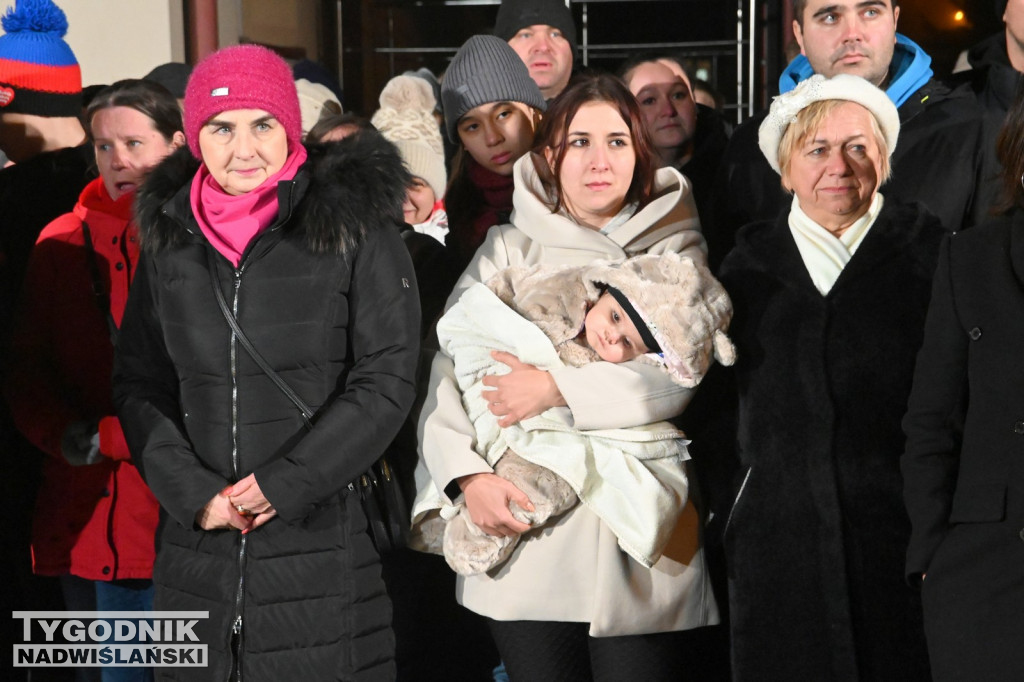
[[523, 393], [241, 506]]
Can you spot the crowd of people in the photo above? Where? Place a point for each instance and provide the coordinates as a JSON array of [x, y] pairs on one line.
[[665, 400]]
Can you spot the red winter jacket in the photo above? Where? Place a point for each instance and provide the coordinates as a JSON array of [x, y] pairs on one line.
[[98, 521]]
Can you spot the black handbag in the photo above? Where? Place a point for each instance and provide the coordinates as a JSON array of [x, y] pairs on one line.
[[387, 514]]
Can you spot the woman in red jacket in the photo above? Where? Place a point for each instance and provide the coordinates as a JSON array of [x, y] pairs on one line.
[[95, 519]]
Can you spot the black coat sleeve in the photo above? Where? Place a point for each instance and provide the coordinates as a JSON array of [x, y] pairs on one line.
[[934, 421], [146, 396], [360, 422]]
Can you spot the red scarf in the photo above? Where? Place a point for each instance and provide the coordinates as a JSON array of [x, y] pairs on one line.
[[231, 222], [496, 191]]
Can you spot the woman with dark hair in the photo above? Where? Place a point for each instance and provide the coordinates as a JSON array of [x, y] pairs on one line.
[[569, 604], [95, 519], [250, 419], [963, 479]]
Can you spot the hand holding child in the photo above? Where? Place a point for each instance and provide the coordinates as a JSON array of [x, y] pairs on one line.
[[523, 393], [488, 497]]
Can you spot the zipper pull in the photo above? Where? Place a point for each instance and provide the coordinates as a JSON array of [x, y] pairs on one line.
[[236, 627]]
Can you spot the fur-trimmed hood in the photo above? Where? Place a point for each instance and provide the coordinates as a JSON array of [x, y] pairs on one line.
[[343, 191]]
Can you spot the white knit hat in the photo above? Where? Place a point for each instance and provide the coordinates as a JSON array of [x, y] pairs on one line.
[[406, 119], [313, 99], [818, 88]]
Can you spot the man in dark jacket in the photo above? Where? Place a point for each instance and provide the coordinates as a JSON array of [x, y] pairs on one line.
[[40, 100], [996, 66], [938, 160], [998, 61]]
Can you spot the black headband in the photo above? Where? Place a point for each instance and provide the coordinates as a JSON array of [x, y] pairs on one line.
[[638, 322]]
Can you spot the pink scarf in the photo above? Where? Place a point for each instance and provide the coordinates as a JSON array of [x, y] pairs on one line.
[[231, 222]]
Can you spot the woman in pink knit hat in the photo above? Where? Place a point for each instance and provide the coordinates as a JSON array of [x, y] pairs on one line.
[[299, 249]]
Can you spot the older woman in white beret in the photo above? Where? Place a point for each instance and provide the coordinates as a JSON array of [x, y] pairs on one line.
[[830, 303]]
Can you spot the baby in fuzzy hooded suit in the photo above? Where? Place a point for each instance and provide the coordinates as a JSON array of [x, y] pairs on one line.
[[660, 309]]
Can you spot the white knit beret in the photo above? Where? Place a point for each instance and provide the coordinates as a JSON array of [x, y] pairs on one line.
[[406, 119], [818, 88]]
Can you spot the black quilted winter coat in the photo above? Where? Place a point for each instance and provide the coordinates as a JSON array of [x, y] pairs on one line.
[[328, 296]]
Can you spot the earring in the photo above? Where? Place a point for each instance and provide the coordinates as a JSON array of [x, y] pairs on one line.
[[1022, 180]]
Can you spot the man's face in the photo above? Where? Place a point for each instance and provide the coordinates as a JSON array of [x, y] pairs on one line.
[[548, 56], [849, 36]]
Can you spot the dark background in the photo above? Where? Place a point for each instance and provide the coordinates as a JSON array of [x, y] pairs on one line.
[[386, 37]]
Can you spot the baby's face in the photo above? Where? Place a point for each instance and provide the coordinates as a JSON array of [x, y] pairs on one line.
[[611, 333]]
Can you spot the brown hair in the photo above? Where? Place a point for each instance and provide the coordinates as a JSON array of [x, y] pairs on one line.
[[554, 128], [1010, 151], [149, 99], [331, 121], [462, 198]]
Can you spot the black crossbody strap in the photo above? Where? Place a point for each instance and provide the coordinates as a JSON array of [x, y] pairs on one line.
[[98, 291], [307, 412]]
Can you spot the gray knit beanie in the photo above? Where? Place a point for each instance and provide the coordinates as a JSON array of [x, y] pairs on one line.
[[484, 70], [515, 15]]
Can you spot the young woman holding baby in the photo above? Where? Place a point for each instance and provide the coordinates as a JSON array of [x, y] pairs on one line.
[[569, 603]]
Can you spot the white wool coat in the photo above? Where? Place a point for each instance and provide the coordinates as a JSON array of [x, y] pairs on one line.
[[634, 479], [573, 570]]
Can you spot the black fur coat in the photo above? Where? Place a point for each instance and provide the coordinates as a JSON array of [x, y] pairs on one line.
[[816, 537]]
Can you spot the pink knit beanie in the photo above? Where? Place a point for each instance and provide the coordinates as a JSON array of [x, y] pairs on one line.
[[241, 77]]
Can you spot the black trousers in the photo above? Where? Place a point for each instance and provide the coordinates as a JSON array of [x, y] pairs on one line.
[[542, 651]]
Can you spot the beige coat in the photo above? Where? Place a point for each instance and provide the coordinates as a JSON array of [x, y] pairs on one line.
[[573, 570]]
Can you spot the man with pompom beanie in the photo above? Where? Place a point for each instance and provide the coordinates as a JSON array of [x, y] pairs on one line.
[[40, 100]]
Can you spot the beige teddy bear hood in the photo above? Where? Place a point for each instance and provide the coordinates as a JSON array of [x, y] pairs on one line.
[[686, 309]]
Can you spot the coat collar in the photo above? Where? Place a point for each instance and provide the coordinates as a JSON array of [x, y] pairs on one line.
[[909, 70], [344, 191], [673, 210], [771, 249]]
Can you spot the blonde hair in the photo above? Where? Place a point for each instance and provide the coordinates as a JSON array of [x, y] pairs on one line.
[[807, 122]]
